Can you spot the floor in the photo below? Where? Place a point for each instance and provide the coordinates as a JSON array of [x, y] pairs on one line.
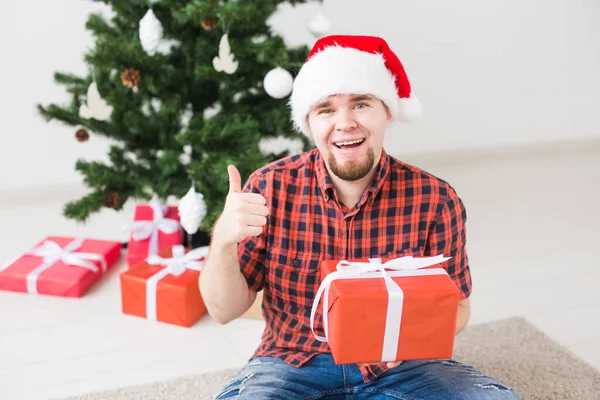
[[533, 230]]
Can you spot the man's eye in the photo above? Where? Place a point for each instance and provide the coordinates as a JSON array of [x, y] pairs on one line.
[[361, 105], [325, 111]]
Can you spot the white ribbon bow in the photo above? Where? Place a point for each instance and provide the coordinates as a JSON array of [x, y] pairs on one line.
[[51, 253], [403, 266], [142, 230], [176, 265]]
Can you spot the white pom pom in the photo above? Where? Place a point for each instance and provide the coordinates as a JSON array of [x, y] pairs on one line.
[[192, 210], [278, 83], [409, 109], [151, 33]]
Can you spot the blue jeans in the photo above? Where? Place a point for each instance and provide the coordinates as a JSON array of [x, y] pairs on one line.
[[320, 378]]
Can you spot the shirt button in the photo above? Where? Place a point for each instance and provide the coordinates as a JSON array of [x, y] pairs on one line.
[[296, 263], [326, 197]]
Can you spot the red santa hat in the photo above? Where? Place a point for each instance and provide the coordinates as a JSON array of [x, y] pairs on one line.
[[341, 64]]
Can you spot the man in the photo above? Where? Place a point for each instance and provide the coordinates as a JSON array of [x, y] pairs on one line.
[[345, 199]]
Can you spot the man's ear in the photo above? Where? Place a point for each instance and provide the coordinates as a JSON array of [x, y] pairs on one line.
[[387, 112], [310, 135]]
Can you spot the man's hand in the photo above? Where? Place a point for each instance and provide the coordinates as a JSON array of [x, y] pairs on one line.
[[393, 364], [244, 214], [390, 365]]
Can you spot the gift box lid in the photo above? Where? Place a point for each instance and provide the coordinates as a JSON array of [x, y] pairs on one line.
[[372, 284]]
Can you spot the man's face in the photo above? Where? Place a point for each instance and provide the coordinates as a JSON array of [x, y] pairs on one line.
[[348, 130]]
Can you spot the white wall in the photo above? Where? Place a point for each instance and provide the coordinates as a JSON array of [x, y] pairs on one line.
[[488, 74]]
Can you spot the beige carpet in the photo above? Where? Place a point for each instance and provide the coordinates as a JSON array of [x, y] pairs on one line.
[[513, 351]]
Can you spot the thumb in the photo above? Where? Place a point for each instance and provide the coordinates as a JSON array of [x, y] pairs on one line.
[[235, 180]]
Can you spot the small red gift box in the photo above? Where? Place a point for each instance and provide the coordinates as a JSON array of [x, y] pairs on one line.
[[395, 311], [165, 287], [60, 266], [155, 228]]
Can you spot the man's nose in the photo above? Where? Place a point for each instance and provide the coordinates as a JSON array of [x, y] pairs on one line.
[[345, 120]]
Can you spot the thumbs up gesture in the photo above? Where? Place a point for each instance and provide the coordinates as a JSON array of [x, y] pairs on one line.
[[244, 213]]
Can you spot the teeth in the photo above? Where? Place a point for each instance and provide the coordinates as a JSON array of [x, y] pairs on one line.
[[349, 143]]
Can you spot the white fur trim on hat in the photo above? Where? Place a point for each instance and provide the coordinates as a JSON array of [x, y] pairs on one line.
[[345, 70]]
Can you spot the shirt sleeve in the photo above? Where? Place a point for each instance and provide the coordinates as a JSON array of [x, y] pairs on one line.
[[252, 250], [448, 236]]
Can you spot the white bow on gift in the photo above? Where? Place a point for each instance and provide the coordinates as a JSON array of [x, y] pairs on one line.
[[404, 266], [142, 230], [51, 253], [176, 265]]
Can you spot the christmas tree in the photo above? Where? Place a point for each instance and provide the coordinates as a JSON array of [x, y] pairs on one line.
[[182, 89]]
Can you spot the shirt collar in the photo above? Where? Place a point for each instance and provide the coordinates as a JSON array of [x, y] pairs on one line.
[[327, 188]]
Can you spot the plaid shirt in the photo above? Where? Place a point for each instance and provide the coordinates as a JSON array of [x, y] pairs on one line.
[[405, 211]]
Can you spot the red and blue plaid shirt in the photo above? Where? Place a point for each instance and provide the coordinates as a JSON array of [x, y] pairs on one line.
[[405, 211]]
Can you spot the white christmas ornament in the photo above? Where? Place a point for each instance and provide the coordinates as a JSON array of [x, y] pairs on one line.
[[186, 157], [95, 107], [186, 116], [278, 83], [258, 39], [212, 111], [225, 62], [151, 33], [319, 26], [192, 210]]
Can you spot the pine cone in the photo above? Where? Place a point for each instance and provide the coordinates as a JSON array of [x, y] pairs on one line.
[[112, 200], [131, 77], [82, 135], [208, 24]]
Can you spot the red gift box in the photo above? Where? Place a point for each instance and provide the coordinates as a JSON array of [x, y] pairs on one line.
[[396, 311], [60, 266], [165, 287], [155, 228]]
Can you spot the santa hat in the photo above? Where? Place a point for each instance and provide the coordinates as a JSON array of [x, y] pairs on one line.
[[342, 64]]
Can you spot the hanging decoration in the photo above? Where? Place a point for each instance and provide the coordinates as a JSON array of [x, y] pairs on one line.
[[192, 210], [131, 77], [95, 106], [112, 200], [225, 61], [278, 83], [82, 135], [209, 24], [151, 33]]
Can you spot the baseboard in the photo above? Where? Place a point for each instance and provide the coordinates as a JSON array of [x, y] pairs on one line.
[[483, 155], [57, 193], [65, 192]]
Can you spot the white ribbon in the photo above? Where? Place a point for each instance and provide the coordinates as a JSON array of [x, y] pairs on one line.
[[51, 252], [404, 266], [142, 230], [176, 265]]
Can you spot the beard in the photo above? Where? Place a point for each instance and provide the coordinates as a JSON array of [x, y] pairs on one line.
[[352, 170]]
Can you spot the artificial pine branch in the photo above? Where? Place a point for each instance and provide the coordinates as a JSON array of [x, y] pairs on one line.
[[146, 122]]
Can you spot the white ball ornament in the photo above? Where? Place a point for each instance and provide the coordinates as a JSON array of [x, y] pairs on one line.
[[278, 83]]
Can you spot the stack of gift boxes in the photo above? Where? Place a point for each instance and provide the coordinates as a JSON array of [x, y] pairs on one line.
[[160, 283], [370, 310]]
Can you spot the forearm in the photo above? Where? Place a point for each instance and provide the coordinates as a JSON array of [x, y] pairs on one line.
[[223, 287], [464, 313]]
